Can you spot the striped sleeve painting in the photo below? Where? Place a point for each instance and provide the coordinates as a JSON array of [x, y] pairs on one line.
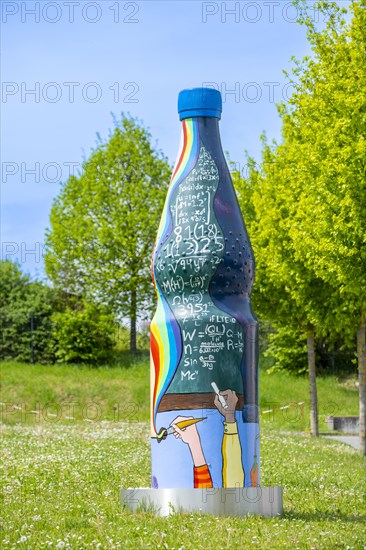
[[166, 340]]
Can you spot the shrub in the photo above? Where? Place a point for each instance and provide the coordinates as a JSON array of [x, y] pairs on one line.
[[83, 335], [25, 316]]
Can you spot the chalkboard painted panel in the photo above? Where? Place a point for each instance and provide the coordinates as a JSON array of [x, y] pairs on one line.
[[185, 264]]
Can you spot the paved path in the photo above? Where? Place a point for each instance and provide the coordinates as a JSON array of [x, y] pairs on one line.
[[352, 440]]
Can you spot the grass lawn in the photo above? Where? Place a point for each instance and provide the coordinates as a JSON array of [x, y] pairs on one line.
[[61, 478], [122, 394]]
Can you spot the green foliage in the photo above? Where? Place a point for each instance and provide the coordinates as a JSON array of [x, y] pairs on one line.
[[306, 205], [83, 335], [123, 339], [287, 347], [25, 310], [286, 351], [323, 156], [41, 324], [104, 222]]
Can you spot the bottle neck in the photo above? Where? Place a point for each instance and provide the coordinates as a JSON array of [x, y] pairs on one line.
[[208, 134], [208, 129]]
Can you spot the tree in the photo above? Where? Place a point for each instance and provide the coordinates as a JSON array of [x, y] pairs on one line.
[[317, 209], [324, 129], [286, 291], [104, 222]]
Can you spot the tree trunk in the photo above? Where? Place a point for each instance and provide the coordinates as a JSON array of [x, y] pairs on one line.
[[312, 379], [133, 313], [361, 354]]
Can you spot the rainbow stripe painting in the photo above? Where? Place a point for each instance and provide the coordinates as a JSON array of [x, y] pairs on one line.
[[166, 339]]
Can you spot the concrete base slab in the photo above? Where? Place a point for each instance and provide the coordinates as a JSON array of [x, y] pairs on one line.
[[263, 501]]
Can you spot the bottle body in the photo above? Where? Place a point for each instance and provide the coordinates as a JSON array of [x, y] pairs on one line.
[[204, 336]]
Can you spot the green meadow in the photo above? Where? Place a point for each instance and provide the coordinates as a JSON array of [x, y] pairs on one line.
[[121, 393], [64, 463]]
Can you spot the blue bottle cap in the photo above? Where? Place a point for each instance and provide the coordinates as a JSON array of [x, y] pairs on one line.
[[199, 102]]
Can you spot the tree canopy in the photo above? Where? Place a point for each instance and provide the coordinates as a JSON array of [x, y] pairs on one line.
[[104, 222], [307, 214]]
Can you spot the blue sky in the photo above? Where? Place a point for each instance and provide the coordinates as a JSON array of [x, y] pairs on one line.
[[84, 60]]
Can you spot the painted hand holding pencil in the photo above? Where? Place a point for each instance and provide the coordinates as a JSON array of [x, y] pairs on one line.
[[225, 401], [185, 421], [186, 430]]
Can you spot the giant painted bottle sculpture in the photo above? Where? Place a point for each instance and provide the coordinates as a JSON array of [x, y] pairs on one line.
[[204, 336]]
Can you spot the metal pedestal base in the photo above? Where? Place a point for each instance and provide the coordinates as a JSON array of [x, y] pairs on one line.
[[263, 501]]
